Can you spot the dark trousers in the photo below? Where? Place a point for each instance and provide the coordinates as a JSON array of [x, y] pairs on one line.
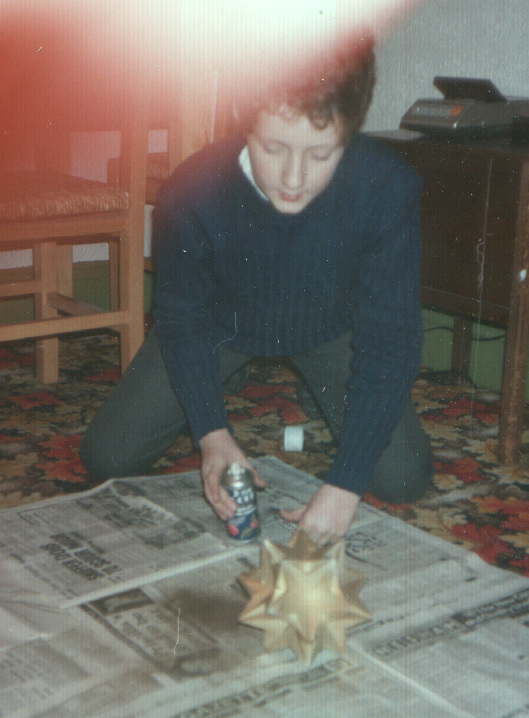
[[142, 418]]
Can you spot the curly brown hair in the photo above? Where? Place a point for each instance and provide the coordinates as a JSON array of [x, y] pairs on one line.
[[339, 87]]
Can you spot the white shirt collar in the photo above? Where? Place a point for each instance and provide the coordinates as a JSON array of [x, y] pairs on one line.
[[246, 166]]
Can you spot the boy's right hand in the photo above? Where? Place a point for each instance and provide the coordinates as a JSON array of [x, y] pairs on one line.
[[220, 450]]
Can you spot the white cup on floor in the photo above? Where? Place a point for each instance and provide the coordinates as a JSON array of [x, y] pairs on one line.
[[293, 438]]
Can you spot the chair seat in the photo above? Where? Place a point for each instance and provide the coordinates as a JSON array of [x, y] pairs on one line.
[[26, 195]]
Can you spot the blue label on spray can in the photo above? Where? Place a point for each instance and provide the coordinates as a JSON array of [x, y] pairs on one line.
[[244, 524]]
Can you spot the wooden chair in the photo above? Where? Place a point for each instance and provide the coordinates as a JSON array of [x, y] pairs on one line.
[[49, 213]]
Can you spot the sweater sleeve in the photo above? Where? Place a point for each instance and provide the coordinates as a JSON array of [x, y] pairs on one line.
[[387, 337], [183, 314]]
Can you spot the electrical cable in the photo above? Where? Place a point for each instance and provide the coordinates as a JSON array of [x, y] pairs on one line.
[[448, 328]]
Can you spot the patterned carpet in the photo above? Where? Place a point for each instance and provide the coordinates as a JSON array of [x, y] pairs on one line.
[[475, 503]]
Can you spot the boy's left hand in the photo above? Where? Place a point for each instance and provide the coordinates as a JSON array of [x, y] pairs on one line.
[[328, 515]]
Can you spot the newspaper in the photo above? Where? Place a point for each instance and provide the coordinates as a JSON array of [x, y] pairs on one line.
[[126, 533], [160, 636], [100, 542], [66, 656], [333, 686]]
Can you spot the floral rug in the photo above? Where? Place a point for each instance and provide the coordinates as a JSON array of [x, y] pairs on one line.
[[475, 503]]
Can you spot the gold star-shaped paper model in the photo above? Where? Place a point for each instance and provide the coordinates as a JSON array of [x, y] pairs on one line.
[[297, 598]]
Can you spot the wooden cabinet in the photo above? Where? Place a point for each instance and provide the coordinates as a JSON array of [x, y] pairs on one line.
[[476, 251]]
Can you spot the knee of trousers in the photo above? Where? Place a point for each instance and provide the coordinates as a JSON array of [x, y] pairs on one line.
[[103, 459], [406, 481]]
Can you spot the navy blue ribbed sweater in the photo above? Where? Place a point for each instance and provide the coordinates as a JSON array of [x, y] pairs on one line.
[[231, 269]]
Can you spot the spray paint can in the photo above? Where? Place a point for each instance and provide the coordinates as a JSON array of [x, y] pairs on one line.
[[244, 524]]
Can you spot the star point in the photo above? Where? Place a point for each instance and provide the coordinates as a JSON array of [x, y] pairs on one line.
[[297, 598]]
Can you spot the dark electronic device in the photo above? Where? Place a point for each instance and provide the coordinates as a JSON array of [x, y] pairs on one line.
[[468, 106]]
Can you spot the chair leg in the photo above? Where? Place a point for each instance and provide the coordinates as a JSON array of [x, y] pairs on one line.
[[53, 264], [113, 264], [131, 282], [64, 266], [46, 350]]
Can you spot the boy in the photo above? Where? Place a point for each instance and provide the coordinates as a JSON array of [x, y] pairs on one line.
[[297, 237]]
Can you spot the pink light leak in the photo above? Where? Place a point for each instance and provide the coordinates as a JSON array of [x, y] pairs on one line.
[[249, 41], [246, 33], [71, 63]]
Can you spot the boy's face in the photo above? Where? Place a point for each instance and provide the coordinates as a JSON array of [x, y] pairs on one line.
[[293, 161]]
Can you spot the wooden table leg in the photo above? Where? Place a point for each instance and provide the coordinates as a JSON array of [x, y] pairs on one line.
[[517, 343], [513, 384], [461, 346]]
